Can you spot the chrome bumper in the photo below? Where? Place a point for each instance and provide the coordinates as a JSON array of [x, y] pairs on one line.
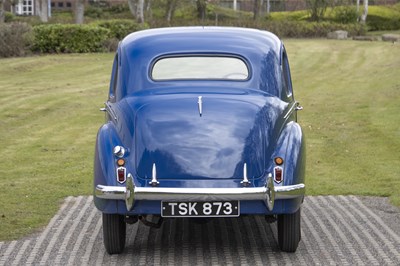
[[269, 193]]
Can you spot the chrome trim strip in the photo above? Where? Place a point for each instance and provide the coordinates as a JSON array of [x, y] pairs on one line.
[[245, 181], [200, 104], [110, 111], [154, 181], [291, 110]]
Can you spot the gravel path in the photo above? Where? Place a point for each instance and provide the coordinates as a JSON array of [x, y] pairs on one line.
[[342, 230]]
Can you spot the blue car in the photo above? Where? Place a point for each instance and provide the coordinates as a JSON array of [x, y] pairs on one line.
[[201, 122]]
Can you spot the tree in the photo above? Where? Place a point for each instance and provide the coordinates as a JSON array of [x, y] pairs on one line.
[[317, 8], [257, 8], [137, 9], [79, 11], [365, 12], [44, 11], [132, 7], [2, 16], [201, 9], [171, 6]]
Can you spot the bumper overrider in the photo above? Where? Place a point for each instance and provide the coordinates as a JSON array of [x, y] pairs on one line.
[[269, 193]]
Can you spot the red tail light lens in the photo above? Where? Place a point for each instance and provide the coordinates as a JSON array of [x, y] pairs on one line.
[[278, 174], [121, 174]]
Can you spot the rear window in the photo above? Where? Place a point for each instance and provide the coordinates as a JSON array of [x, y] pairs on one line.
[[200, 67]]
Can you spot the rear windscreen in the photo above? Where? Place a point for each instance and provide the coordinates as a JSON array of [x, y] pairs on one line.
[[200, 67]]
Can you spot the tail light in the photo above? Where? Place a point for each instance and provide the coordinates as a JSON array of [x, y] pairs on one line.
[[121, 174], [278, 174]]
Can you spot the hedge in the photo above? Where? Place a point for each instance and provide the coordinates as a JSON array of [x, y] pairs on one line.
[[119, 28], [302, 29], [383, 17], [69, 38]]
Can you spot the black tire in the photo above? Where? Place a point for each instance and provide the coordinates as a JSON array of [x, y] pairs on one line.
[[114, 233], [289, 232]]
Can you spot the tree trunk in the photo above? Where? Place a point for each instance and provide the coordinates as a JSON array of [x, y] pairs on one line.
[[79, 11], [139, 11], [132, 7], [44, 16], [268, 7], [365, 12], [149, 11], [2, 16], [201, 9], [171, 5], [257, 9]]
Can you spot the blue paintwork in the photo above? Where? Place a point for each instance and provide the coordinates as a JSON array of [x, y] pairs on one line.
[[249, 121]]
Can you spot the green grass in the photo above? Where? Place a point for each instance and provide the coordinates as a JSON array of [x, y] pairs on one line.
[[49, 118], [351, 93], [49, 115]]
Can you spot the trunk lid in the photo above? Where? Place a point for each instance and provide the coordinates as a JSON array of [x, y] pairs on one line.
[[231, 131]]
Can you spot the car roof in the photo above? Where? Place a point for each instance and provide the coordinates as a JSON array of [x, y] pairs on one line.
[[139, 51], [202, 39]]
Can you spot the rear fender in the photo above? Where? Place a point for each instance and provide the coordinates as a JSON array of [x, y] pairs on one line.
[[291, 147], [104, 165]]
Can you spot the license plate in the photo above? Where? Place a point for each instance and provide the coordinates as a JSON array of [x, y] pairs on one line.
[[200, 209]]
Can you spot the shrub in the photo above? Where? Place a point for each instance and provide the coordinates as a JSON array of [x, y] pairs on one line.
[[302, 29], [118, 8], [15, 39], [383, 18], [69, 38], [8, 17], [317, 9], [346, 14], [93, 12], [119, 28], [375, 22]]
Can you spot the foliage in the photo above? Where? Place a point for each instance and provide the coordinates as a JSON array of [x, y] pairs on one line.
[[346, 14], [289, 28], [8, 17], [118, 9], [383, 18], [119, 28], [299, 15], [301, 29], [317, 8], [59, 38], [379, 17], [14, 39], [93, 11]]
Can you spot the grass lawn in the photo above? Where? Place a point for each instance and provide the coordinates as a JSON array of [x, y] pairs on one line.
[[350, 92], [49, 118]]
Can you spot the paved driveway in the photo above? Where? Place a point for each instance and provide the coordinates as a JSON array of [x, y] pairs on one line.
[[335, 230]]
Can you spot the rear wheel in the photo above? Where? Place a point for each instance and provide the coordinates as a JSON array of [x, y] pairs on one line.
[[289, 232], [114, 233]]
